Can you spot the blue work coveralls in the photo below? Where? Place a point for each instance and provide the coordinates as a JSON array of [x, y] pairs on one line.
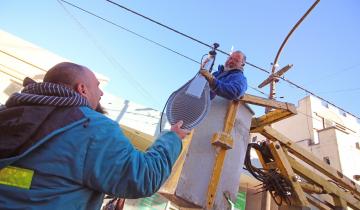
[[229, 84]]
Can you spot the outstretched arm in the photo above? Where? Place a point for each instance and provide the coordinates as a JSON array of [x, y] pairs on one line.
[[113, 166]]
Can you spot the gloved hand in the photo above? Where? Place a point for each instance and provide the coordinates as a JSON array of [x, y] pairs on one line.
[[208, 76]]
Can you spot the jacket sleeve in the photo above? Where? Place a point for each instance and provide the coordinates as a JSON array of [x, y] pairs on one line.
[[232, 88], [113, 166]]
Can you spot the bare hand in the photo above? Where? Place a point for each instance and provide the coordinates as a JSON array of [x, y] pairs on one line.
[[178, 130]]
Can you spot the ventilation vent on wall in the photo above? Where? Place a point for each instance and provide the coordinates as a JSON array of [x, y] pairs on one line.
[[254, 139], [327, 160], [328, 123]]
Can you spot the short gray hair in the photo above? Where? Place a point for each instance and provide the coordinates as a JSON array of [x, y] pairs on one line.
[[244, 58]]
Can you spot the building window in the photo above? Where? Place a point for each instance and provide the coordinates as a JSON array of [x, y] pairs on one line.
[[341, 127], [319, 122], [327, 160], [316, 139], [325, 104], [342, 113], [322, 122], [254, 139]]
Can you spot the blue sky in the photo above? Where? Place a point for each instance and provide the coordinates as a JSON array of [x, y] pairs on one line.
[[324, 49]]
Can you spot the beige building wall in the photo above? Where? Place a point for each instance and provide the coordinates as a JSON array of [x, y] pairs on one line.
[[20, 59], [330, 134], [327, 147], [298, 127], [349, 153]]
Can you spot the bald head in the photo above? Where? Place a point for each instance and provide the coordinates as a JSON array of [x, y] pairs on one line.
[[77, 77], [65, 73]]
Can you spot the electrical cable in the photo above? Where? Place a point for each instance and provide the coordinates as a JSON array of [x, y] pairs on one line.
[[163, 25], [309, 116], [178, 32], [321, 98], [22, 60], [341, 91], [156, 43], [336, 73], [130, 31], [259, 91], [198, 41], [110, 58], [279, 187], [97, 45], [273, 82]]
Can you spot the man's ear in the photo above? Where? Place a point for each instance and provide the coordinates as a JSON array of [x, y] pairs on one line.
[[81, 89]]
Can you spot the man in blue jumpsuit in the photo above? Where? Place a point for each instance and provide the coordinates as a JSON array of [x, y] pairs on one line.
[[57, 152], [229, 81]]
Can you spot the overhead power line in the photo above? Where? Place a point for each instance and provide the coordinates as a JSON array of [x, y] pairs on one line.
[[130, 31], [319, 97], [22, 60], [341, 91], [180, 33], [336, 73], [200, 42], [192, 38], [139, 35], [112, 60]]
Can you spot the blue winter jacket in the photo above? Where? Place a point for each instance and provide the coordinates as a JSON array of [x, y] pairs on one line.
[[76, 157], [229, 84]]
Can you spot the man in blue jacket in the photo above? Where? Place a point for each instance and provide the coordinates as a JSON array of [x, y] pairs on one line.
[[229, 81], [57, 152]]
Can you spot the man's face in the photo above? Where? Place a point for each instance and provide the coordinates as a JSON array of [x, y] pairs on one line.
[[94, 93], [235, 61]]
